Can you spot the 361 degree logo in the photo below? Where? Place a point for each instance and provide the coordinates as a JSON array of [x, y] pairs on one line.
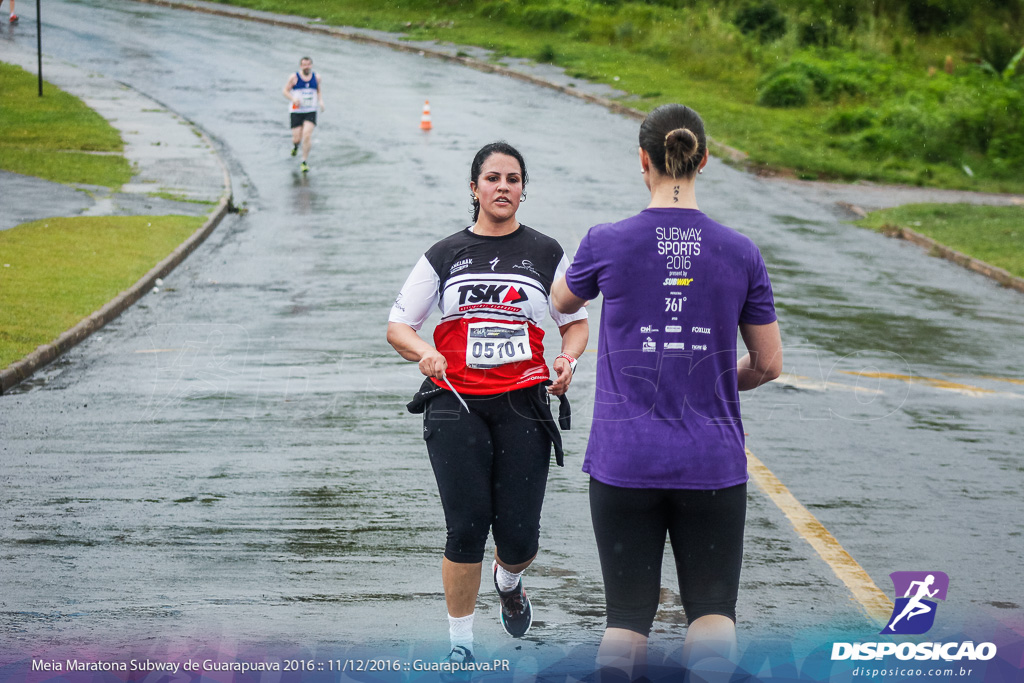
[[916, 593]]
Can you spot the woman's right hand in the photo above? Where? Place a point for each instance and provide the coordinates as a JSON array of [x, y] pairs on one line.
[[433, 364]]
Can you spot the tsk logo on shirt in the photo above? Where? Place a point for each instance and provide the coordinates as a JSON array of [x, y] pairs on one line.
[[486, 294]]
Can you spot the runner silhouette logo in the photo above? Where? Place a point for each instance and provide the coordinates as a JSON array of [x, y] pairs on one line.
[[916, 593]]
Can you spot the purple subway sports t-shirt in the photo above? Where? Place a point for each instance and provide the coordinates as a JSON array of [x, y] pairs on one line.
[[676, 286]]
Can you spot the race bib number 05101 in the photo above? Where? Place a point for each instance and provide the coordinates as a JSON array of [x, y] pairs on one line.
[[489, 345]]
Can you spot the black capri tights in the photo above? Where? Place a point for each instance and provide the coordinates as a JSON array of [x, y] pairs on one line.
[[491, 467], [706, 530]]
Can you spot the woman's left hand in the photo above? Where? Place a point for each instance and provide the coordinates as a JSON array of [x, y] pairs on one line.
[[561, 383]]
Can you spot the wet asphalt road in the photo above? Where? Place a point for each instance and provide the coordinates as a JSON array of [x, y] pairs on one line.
[[230, 462]]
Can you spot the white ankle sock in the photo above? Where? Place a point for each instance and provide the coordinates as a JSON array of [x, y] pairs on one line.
[[460, 630], [507, 580]]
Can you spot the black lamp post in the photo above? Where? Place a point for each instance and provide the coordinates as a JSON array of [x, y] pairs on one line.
[[39, 44]]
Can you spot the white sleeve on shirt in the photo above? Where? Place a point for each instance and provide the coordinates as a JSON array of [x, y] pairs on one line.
[[564, 318], [418, 297]]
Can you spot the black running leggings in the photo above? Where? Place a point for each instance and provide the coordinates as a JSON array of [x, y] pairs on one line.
[[706, 530], [491, 467]]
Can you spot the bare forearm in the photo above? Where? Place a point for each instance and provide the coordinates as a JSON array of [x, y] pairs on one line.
[[411, 347], [563, 299], [575, 336], [750, 377], [407, 342], [763, 361], [574, 343]]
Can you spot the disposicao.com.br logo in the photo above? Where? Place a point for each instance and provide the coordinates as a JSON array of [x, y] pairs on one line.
[[913, 614]]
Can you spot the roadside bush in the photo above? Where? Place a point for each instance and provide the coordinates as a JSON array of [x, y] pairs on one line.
[[815, 34], [546, 18], [762, 20], [845, 84], [500, 10], [848, 121], [441, 4], [1004, 116], [997, 48], [935, 16], [1006, 151], [540, 18], [786, 90], [830, 81], [845, 12], [817, 75], [625, 33], [966, 116], [914, 129]]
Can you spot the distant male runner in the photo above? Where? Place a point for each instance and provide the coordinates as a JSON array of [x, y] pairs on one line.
[[304, 90], [14, 17]]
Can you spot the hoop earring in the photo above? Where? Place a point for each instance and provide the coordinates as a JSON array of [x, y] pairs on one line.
[[522, 198]]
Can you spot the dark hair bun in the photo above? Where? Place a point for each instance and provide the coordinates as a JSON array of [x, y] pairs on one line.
[[673, 135], [681, 146]]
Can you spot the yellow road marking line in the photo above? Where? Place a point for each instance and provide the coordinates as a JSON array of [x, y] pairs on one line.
[[874, 602], [930, 381], [1003, 379]]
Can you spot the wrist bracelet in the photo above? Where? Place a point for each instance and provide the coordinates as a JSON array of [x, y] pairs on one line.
[[572, 362]]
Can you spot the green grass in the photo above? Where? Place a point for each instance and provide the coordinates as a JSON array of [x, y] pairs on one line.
[[994, 234], [56, 136], [56, 271]]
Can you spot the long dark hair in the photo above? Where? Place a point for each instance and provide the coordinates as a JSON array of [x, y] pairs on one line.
[[673, 136], [499, 147]]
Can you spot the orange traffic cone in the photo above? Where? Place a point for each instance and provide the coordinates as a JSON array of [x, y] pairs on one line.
[[425, 123]]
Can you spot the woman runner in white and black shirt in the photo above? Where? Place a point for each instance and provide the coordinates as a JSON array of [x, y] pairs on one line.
[[489, 454]]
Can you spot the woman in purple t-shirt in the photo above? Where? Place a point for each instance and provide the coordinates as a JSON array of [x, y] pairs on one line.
[[666, 453]]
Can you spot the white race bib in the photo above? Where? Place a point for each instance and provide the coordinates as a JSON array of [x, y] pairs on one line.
[[307, 100], [489, 345]]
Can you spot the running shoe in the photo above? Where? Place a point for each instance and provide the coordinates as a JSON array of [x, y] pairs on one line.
[[14, 19], [516, 613], [295, 149], [457, 665], [304, 167]]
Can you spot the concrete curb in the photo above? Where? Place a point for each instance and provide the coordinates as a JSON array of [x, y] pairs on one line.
[[733, 155], [936, 249], [44, 354]]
